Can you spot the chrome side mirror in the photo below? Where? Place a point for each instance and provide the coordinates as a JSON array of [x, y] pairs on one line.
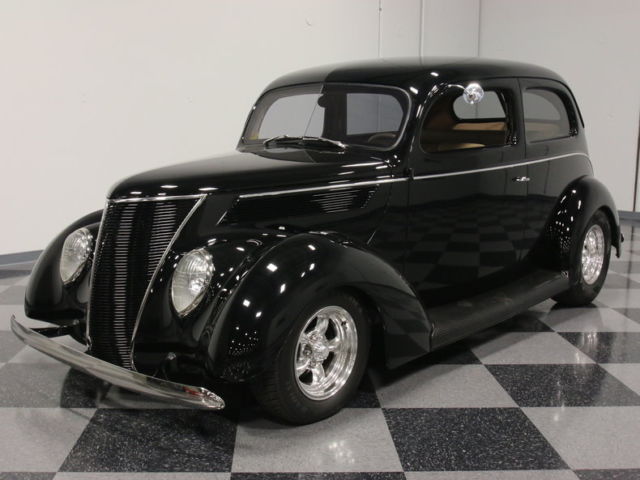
[[473, 93]]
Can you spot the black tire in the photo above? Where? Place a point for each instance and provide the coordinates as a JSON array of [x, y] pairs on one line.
[[277, 389], [581, 292]]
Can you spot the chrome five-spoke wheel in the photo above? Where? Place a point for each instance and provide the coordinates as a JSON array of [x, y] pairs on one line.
[[326, 352], [593, 254]]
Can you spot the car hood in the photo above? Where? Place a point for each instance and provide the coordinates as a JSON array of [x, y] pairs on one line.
[[254, 171]]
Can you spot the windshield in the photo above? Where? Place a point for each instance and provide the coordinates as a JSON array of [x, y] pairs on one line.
[[351, 115]]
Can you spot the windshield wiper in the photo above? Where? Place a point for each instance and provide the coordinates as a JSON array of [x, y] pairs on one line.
[[302, 141]]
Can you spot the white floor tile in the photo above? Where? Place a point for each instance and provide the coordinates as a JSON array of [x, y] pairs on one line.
[[444, 386], [39, 439], [591, 437], [619, 298], [31, 355], [495, 475], [627, 373], [354, 440]]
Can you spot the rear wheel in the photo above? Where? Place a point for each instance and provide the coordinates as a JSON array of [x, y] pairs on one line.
[[590, 263], [321, 364]]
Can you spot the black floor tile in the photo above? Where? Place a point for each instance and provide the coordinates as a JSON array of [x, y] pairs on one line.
[[469, 439], [563, 385], [455, 354], [608, 347], [365, 396], [525, 322], [176, 440]]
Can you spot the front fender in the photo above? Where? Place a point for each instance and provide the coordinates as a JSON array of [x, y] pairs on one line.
[[577, 204], [261, 311], [46, 297]]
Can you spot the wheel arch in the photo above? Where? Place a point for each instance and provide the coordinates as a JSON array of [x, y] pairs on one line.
[[258, 315], [570, 216]]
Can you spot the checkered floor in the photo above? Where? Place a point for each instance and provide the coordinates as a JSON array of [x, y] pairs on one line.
[[551, 394]]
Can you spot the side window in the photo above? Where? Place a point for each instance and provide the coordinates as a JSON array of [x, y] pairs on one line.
[[372, 113], [545, 115], [453, 124], [489, 107]]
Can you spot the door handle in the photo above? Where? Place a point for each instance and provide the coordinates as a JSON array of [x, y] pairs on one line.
[[520, 179]]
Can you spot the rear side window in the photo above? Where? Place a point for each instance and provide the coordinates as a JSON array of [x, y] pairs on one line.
[[453, 124], [489, 108], [545, 115]]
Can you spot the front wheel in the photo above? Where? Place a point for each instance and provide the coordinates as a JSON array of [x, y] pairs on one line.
[[591, 263], [321, 363]]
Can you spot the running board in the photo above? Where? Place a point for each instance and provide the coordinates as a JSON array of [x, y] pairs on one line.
[[456, 320]]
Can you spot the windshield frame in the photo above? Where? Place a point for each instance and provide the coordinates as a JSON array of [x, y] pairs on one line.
[[258, 144]]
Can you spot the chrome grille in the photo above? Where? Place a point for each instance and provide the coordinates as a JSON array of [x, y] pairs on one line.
[[132, 241]]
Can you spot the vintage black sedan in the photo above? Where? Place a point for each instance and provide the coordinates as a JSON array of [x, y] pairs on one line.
[[407, 201]]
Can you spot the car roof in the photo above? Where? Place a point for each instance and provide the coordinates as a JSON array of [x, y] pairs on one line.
[[416, 72]]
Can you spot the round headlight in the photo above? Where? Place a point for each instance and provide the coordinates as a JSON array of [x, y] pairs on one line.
[[75, 253], [190, 280]]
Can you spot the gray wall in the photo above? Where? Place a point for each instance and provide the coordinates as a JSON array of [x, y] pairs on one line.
[[95, 91]]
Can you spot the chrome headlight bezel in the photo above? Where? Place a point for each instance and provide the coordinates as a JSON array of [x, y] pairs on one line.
[[191, 280], [75, 254]]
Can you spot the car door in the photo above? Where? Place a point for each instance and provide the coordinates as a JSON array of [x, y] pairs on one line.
[[467, 195], [555, 152]]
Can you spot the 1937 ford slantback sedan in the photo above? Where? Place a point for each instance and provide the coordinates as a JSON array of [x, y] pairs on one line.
[[413, 200]]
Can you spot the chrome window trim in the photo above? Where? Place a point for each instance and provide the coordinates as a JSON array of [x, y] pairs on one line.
[[404, 179], [201, 199], [401, 131]]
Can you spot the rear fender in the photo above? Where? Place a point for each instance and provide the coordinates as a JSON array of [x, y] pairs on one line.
[[577, 204]]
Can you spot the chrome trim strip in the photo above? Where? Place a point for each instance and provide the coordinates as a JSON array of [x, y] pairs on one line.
[[498, 167], [201, 198], [404, 179], [122, 377], [154, 199], [324, 187]]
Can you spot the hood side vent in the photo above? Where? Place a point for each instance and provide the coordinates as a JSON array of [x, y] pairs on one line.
[[299, 204]]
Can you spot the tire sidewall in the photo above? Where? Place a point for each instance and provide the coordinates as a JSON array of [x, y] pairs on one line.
[[306, 410]]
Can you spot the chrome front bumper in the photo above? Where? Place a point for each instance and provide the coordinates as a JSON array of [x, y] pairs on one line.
[[128, 379]]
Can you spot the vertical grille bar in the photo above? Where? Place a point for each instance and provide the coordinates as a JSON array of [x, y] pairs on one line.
[[133, 239]]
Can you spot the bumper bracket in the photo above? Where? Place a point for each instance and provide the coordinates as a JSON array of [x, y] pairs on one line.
[[127, 379]]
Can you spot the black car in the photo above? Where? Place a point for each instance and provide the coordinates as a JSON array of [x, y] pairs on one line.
[[410, 201]]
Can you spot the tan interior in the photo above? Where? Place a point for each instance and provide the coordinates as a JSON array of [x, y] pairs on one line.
[[542, 130], [442, 131]]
